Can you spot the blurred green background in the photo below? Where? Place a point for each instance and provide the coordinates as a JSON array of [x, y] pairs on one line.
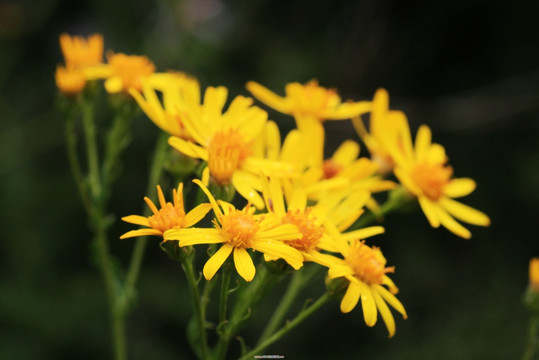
[[469, 69]]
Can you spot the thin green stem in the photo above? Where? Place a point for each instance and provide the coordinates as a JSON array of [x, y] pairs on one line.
[[223, 298], [297, 283], [74, 163], [200, 315], [304, 314], [94, 177], [532, 346], [139, 249]]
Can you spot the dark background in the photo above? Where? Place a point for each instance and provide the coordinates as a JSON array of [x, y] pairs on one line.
[[469, 69]]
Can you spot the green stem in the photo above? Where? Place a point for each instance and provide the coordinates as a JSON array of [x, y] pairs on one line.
[[532, 347], [94, 177], [397, 199], [140, 245], [304, 314], [297, 283], [200, 315], [223, 298], [74, 163]]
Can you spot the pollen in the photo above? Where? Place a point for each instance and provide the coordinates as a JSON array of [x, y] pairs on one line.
[[227, 151], [331, 169], [432, 178], [170, 216], [305, 222], [239, 228], [368, 263]]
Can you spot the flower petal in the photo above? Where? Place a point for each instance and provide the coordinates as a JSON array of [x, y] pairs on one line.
[[216, 261], [451, 224], [279, 250], [390, 299], [384, 312], [197, 214], [350, 298], [429, 209], [459, 187], [422, 142], [346, 153], [244, 264], [464, 212], [268, 97], [137, 220], [370, 313], [194, 236], [141, 232], [364, 233]]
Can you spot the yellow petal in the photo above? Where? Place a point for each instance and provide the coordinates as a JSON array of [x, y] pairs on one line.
[[451, 224], [370, 313], [272, 141], [407, 181], [137, 220], [141, 232], [336, 271], [346, 153], [436, 154], [350, 298], [188, 148], [364, 233], [347, 110], [459, 187], [246, 184], [268, 97], [279, 250], [384, 312], [215, 207], [429, 209], [422, 142], [194, 236], [114, 84], [465, 213], [197, 214], [280, 233], [216, 261], [390, 299], [244, 264]]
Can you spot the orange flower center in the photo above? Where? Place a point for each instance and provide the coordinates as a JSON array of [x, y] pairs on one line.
[[168, 217], [432, 178], [368, 263], [331, 168], [227, 151], [239, 228], [80, 52], [70, 81], [131, 69], [306, 226]]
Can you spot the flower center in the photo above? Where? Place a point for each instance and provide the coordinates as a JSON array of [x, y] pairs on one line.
[[238, 228], [368, 263], [131, 69], [168, 217], [331, 168], [306, 226], [313, 99], [227, 151], [432, 178]]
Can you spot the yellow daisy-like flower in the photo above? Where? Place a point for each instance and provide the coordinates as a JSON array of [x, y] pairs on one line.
[[423, 171], [387, 128], [80, 52], [170, 216], [365, 269], [70, 81], [238, 231], [338, 212], [173, 87], [226, 141]]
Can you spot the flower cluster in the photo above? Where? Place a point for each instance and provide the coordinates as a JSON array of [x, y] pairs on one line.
[[299, 205]]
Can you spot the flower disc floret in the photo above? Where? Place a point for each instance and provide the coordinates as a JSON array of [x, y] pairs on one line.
[[368, 263], [311, 232], [168, 217], [239, 228], [432, 179], [227, 151]]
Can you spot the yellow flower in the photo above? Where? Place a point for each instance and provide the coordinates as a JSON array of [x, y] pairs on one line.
[[70, 81], [80, 52], [534, 274], [387, 129], [225, 141], [173, 87], [423, 171], [338, 212], [310, 105], [364, 268], [238, 231], [170, 216]]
